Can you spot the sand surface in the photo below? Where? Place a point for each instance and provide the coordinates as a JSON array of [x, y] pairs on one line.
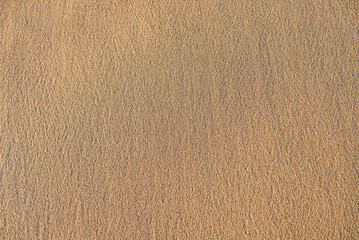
[[179, 119]]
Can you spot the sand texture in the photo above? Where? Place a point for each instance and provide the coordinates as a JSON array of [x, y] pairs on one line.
[[179, 119]]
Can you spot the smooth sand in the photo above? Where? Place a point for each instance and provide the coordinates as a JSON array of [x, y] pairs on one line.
[[179, 119]]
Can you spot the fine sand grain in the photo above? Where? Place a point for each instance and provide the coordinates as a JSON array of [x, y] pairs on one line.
[[179, 119]]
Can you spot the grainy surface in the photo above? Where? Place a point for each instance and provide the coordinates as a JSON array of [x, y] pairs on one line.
[[179, 119]]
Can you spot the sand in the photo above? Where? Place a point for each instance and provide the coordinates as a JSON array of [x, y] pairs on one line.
[[179, 119]]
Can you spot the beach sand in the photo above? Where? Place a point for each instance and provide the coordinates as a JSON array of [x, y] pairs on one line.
[[179, 119]]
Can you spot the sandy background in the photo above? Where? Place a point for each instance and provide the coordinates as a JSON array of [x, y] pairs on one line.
[[179, 119]]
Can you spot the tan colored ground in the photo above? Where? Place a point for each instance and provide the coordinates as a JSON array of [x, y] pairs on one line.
[[179, 119]]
